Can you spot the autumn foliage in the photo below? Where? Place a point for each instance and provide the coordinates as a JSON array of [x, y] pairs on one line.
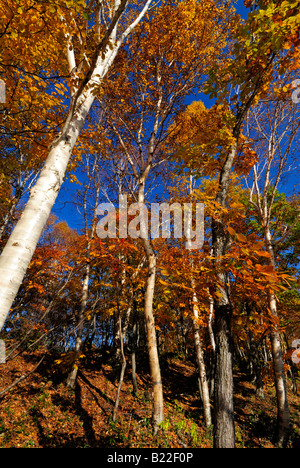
[[195, 106]]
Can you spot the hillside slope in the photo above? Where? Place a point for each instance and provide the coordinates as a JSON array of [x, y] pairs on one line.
[[40, 412]]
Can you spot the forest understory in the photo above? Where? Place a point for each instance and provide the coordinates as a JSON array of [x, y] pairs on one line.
[[41, 412]]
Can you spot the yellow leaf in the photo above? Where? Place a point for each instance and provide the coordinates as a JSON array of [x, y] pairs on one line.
[[241, 237], [163, 282], [231, 231]]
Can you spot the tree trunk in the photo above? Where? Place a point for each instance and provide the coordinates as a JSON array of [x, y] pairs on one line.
[[256, 370], [17, 254], [224, 430], [283, 414], [21, 245], [121, 330], [71, 380], [135, 340], [8, 217], [210, 327], [204, 390], [157, 389], [202, 369], [123, 368], [254, 358]]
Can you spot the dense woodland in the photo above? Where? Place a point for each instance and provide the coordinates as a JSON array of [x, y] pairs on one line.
[[169, 101]]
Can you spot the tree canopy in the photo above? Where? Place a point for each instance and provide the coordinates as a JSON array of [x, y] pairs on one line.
[[185, 110]]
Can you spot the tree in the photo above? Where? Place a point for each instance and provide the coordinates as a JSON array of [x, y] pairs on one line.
[[92, 173], [274, 127], [261, 46], [104, 27], [33, 106], [268, 32], [165, 61]]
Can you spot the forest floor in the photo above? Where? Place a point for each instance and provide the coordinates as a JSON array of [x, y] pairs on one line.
[[40, 412]]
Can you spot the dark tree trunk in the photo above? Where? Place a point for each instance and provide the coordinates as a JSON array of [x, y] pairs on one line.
[[224, 432]]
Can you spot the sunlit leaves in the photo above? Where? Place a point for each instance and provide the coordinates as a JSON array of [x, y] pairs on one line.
[[203, 136], [265, 42]]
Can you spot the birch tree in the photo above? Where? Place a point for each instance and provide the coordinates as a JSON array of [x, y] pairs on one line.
[[273, 128], [197, 339], [264, 45], [92, 172], [173, 52], [90, 52]]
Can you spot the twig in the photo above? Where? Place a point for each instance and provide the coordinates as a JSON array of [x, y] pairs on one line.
[[23, 377]]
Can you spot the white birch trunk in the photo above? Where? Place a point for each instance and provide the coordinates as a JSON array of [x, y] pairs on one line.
[[283, 416], [210, 327], [156, 380], [264, 206], [21, 245], [201, 365], [200, 360], [122, 369], [71, 380], [197, 338]]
